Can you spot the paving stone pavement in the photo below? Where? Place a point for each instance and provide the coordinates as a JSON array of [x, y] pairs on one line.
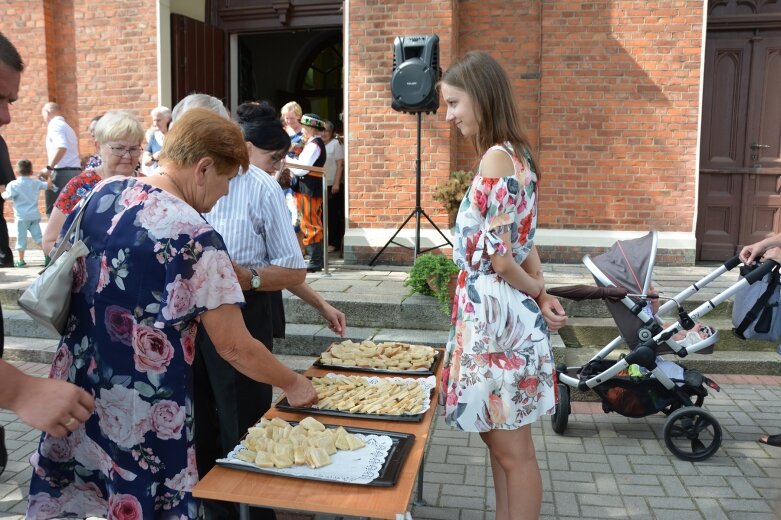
[[606, 466]]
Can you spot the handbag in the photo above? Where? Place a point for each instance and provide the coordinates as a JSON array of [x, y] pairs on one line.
[[755, 312], [48, 299]]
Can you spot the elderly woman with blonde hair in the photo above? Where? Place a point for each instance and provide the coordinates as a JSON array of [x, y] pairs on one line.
[[155, 269], [118, 136]]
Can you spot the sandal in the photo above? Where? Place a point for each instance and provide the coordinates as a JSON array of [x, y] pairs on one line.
[[771, 440]]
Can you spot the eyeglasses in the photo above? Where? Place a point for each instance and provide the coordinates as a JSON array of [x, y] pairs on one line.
[[120, 151]]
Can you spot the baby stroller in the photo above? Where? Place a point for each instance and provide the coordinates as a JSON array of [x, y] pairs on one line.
[[642, 383]]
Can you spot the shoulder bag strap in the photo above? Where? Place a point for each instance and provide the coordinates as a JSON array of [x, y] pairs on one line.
[[72, 229]]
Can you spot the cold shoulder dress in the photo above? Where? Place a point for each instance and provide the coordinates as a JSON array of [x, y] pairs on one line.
[[498, 369]]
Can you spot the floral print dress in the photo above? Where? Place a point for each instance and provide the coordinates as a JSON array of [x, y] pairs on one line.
[[498, 368], [154, 265]]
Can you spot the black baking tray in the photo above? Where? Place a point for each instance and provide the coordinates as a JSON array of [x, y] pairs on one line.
[[284, 405], [429, 372], [389, 473]]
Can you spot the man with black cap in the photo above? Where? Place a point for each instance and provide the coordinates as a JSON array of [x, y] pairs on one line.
[[309, 189]]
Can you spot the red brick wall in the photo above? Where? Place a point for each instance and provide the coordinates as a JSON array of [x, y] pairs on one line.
[[88, 56], [619, 107], [510, 32], [382, 141]]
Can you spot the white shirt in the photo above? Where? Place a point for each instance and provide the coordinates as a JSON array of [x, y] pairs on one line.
[[333, 152], [308, 156], [60, 135], [255, 223]]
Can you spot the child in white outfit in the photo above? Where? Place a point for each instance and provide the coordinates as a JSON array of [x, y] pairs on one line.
[[25, 192]]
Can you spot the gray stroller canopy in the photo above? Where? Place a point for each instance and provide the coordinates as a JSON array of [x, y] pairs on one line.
[[629, 263]]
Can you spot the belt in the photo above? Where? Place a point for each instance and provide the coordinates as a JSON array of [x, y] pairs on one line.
[[67, 168]]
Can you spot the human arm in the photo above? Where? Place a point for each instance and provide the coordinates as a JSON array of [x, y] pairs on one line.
[[53, 229], [552, 311], [53, 160], [273, 278], [495, 168], [749, 254], [773, 253], [338, 176], [308, 156], [233, 342], [45, 404], [335, 318]]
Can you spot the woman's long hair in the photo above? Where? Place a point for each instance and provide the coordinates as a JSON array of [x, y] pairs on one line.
[[489, 89]]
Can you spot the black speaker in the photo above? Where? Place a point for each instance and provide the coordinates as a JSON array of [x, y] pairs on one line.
[[415, 73]]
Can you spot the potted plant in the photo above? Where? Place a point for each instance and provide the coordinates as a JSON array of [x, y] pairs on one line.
[[451, 192], [434, 275]]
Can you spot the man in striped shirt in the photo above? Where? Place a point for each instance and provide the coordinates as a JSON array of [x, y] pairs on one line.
[[254, 222]]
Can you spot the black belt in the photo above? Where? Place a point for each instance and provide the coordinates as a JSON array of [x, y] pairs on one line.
[[68, 168]]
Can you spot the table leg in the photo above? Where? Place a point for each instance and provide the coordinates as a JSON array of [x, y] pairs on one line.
[[244, 511], [419, 500]]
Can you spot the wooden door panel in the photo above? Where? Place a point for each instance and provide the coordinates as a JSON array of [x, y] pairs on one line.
[[727, 65], [764, 124], [760, 207], [718, 218], [197, 58]]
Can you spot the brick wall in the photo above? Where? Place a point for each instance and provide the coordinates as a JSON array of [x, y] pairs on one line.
[[88, 59], [382, 141], [619, 107]]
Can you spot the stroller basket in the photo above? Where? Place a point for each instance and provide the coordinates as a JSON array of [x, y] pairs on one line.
[[637, 396]]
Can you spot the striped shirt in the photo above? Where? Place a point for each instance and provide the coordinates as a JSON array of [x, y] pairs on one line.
[[254, 221]]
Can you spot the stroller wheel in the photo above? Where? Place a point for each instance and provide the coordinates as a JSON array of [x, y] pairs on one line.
[[692, 433], [560, 415]]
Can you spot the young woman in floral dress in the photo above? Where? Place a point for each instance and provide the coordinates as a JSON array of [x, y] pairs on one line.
[[498, 373]]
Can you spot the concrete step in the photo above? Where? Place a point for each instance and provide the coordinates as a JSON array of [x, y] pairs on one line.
[[720, 362], [598, 332]]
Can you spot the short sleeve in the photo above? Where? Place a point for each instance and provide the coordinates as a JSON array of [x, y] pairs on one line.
[[70, 196], [338, 151], [199, 277], [497, 199]]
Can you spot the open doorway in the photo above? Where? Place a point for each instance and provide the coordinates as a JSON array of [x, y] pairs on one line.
[[301, 66]]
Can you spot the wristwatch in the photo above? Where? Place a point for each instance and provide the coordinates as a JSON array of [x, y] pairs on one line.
[[255, 280]]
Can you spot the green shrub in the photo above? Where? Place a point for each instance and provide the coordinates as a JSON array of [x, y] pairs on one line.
[[431, 275]]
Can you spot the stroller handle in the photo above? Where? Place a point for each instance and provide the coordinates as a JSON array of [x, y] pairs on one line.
[[761, 271], [733, 262]]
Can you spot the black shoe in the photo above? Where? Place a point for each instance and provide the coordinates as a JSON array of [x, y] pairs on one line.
[[314, 269], [6, 264]]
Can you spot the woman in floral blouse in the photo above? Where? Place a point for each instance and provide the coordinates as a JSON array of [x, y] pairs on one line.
[[498, 372], [155, 268]]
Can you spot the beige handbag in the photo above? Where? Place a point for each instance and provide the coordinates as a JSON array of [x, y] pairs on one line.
[[48, 299]]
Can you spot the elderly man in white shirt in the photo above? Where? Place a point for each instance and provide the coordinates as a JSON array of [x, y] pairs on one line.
[[62, 151], [254, 222]]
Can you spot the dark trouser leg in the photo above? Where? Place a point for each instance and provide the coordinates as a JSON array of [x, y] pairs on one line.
[[59, 179], [238, 402], [336, 218], [6, 255], [315, 256]]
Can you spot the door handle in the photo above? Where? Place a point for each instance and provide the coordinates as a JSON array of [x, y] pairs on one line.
[[757, 146]]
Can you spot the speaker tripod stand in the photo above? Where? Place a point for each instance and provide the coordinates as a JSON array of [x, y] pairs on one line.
[[417, 212]]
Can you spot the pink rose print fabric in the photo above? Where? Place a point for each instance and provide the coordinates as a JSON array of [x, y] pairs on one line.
[[154, 266], [498, 371]]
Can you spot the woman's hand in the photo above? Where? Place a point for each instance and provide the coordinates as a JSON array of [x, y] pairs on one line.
[[301, 393], [554, 314]]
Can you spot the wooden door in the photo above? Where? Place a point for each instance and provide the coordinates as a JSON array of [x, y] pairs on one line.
[[197, 59], [740, 159]]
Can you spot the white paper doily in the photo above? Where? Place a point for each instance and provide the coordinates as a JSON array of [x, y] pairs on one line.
[[427, 383], [350, 467]]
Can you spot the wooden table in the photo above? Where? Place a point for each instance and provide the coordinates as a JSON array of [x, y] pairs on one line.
[[274, 491]]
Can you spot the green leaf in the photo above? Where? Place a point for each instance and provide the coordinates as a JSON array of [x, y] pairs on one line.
[[144, 389]]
